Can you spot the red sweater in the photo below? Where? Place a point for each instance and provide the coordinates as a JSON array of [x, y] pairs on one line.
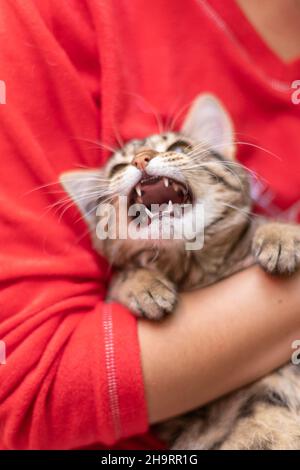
[[79, 70]]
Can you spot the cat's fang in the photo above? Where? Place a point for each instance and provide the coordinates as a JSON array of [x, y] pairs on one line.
[[138, 190], [166, 182], [176, 187]]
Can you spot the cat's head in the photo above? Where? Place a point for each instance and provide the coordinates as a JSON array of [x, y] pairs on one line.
[[193, 166]]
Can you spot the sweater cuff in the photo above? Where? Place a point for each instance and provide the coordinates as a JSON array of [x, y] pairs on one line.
[[126, 393]]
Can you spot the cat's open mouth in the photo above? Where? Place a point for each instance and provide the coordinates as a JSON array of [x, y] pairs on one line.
[[160, 190]]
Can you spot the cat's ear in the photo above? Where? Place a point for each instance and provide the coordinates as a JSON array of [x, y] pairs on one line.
[[83, 187], [208, 121]]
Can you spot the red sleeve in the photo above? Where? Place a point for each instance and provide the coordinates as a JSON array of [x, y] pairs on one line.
[[72, 375]]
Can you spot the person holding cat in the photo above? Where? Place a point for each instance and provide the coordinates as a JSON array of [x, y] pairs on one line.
[[81, 372]]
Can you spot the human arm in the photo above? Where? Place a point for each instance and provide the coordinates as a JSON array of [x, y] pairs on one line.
[[219, 339]]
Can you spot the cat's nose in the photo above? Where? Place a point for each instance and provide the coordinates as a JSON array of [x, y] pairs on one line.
[[142, 158]]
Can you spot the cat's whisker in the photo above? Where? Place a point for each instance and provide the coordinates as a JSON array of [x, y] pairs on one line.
[[268, 152], [81, 195], [227, 164], [98, 144], [253, 173], [197, 167], [88, 212], [43, 186], [151, 110], [225, 144], [82, 236], [107, 200], [86, 215], [195, 148], [57, 183], [178, 115], [172, 112], [118, 137], [66, 208], [70, 202], [246, 212]]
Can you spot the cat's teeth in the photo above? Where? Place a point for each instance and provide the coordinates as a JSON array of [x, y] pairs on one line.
[[175, 187], [166, 182], [170, 206], [138, 189], [139, 200]]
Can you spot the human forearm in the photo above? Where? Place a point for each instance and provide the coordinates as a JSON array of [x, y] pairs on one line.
[[217, 340]]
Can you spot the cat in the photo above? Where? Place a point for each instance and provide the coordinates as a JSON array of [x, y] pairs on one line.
[[195, 167]]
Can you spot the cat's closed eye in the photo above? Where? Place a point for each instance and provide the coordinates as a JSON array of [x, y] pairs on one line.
[[180, 146], [117, 168]]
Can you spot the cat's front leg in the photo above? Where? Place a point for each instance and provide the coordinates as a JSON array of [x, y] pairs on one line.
[[276, 247], [146, 293]]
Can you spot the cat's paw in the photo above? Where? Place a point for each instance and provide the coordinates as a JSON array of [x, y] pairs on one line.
[[276, 247], [147, 294]]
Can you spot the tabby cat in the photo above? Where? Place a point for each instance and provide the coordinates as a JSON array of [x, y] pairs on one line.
[[196, 166]]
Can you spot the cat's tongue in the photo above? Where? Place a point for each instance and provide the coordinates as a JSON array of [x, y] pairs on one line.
[[158, 193]]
